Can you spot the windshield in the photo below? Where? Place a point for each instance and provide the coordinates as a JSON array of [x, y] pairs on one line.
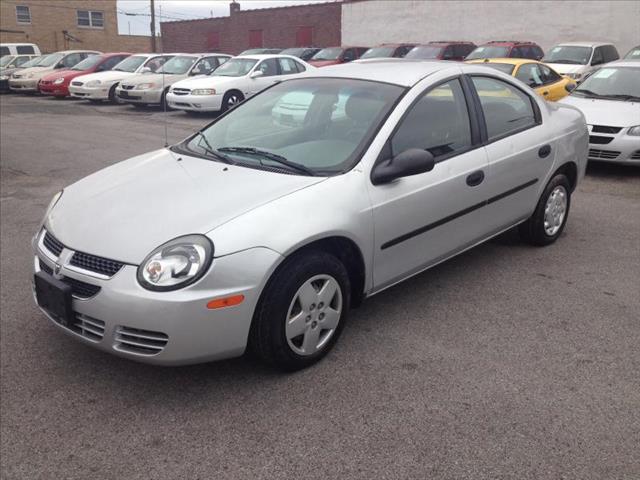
[[130, 64], [613, 83], [236, 67], [489, 52], [424, 52], [634, 54], [32, 63], [51, 60], [503, 67], [379, 52], [306, 126], [88, 62], [177, 65], [328, 54], [6, 60], [570, 55]]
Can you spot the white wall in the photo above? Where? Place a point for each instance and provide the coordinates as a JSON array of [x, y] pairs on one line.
[[545, 22]]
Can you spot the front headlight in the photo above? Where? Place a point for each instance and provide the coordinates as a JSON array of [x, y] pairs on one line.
[[634, 131], [145, 86], [176, 264], [52, 204], [58, 81], [4, 77], [203, 91], [575, 76], [92, 83]]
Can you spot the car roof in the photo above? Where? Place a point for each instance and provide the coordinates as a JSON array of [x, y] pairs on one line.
[[510, 61], [582, 44], [66, 52], [262, 56], [508, 42], [622, 63], [406, 72], [449, 42]]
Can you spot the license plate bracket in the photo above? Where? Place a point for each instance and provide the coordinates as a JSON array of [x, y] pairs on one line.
[[54, 296]]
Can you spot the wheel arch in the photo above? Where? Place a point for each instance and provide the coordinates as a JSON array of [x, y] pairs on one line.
[[570, 170]]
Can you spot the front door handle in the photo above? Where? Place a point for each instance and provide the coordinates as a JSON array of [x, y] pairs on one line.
[[475, 178], [544, 151]]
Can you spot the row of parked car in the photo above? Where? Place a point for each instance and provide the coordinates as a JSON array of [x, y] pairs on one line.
[[214, 82]]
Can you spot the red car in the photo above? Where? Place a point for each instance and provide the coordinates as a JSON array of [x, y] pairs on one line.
[[442, 51], [507, 49], [336, 55], [388, 50], [57, 83]]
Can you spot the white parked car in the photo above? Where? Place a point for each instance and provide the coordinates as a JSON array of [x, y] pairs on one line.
[[577, 60], [239, 78], [26, 80], [144, 89], [102, 85], [19, 49], [610, 101]]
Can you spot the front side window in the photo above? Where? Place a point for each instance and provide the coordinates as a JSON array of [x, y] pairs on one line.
[[506, 109], [320, 124], [92, 19], [268, 67], [438, 123], [236, 67], [4, 51], [568, 54], [548, 75], [88, 62], [23, 14], [530, 74]]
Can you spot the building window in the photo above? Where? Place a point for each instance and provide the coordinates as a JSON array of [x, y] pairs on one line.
[[304, 37], [255, 38], [90, 19], [23, 14]]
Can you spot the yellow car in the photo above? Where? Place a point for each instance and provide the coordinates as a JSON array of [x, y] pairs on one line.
[[547, 83]]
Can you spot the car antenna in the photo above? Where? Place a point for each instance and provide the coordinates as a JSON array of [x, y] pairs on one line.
[[163, 96]]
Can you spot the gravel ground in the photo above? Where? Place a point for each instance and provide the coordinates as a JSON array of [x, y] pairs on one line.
[[506, 362]]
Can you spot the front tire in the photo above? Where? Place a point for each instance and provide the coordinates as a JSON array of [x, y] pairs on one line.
[[550, 216], [231, 99], [302, 311]]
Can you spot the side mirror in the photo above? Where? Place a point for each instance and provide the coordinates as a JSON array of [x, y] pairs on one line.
[[410, 162], [256, 74], [145, 70], [59, 65], [570, 87]]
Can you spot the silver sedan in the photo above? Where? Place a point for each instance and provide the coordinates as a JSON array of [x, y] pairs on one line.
[[263, 229]]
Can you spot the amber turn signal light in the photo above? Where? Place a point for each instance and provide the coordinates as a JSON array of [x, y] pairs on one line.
[[225, 302]]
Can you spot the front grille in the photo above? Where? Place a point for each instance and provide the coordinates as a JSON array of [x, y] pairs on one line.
[[96, 264], [605, 129], [128, 87], [142, 342], [181, 91], [635, 155], [15, 75], [88, 327], [79, 289], [603, 154], [77, 84], [597, 140], [52, 244]]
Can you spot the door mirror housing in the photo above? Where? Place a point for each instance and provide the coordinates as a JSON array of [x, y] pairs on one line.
[[256, 74], [145, 70], [59, 65], [410, 162]]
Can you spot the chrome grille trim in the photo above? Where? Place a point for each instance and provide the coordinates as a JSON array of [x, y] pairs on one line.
[[88, 327], [138, 341], [52, 244], [603, 154]]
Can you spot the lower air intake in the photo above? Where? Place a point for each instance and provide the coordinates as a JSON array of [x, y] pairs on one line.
[[140, 342]]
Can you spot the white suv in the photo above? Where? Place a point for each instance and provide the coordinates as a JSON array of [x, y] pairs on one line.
[[577, 60]]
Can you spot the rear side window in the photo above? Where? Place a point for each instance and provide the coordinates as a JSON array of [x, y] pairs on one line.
[[438, 122], [537, 52], [610, 53], [506, 109], [349, 54], [25, 50], [287, 66]]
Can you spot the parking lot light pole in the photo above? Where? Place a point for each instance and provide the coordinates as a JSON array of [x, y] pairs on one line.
[[153, 26]]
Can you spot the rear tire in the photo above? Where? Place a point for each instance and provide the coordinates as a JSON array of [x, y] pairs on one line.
[[550, 216], [231, 99], [301, 312]]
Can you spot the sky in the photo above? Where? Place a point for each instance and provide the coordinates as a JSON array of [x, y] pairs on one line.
[[138, 22]]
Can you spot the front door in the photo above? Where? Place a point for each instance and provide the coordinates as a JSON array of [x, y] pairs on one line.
[[270, 75]]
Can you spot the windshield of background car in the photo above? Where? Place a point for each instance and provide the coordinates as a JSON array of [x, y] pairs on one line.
[[236, 67], [327, 54], [622, 83], [130, 64], [6, 60], [569, 55], [294, 52], [379, 52], [634, 54], [51, 60], [503, 67], [424, 52], [88, 62], [177, 65], [320, 123], [34, 62], [489, 52]]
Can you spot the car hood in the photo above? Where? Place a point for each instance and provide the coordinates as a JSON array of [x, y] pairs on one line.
[[66, 74], [125, 211], [606, 112], [9, 71], [205, 81], [108, 76], [323, 63], [564, 68], [38, 72], [157, 78]]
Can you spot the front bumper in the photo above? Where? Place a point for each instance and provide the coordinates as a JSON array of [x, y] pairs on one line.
[[139, 96], [24, 84], [621, 147], [195, 103], [101, 93], [167, 328], [53, 89]]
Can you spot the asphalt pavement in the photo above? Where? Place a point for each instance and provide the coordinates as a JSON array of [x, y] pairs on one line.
[[507, 362]]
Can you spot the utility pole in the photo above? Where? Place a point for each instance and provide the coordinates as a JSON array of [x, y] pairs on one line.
[[153, 26]]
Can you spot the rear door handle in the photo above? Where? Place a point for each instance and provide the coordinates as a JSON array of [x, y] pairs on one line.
[[475, 178], [544, 151]]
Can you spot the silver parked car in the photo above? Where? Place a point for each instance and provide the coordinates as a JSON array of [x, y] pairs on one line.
[[610, 101], [263, 233]]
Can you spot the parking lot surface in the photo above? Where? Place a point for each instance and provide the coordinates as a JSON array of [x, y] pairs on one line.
[[506, 362]]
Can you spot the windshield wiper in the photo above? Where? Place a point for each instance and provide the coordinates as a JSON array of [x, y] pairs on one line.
[[570, 62], [212, 151], [270, 156], [621, 96], [586, 92]]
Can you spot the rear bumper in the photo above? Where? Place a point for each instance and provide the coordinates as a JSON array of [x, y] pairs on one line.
[[195, 103]]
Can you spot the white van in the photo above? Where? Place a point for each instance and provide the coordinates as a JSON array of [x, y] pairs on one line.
[[19, 49]]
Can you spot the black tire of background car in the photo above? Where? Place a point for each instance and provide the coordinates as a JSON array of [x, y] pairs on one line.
[[113, 98], [532, 231], [267, 338], [227, 98]]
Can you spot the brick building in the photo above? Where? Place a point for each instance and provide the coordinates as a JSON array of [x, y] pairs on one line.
[[70, 24], [316, 25]]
